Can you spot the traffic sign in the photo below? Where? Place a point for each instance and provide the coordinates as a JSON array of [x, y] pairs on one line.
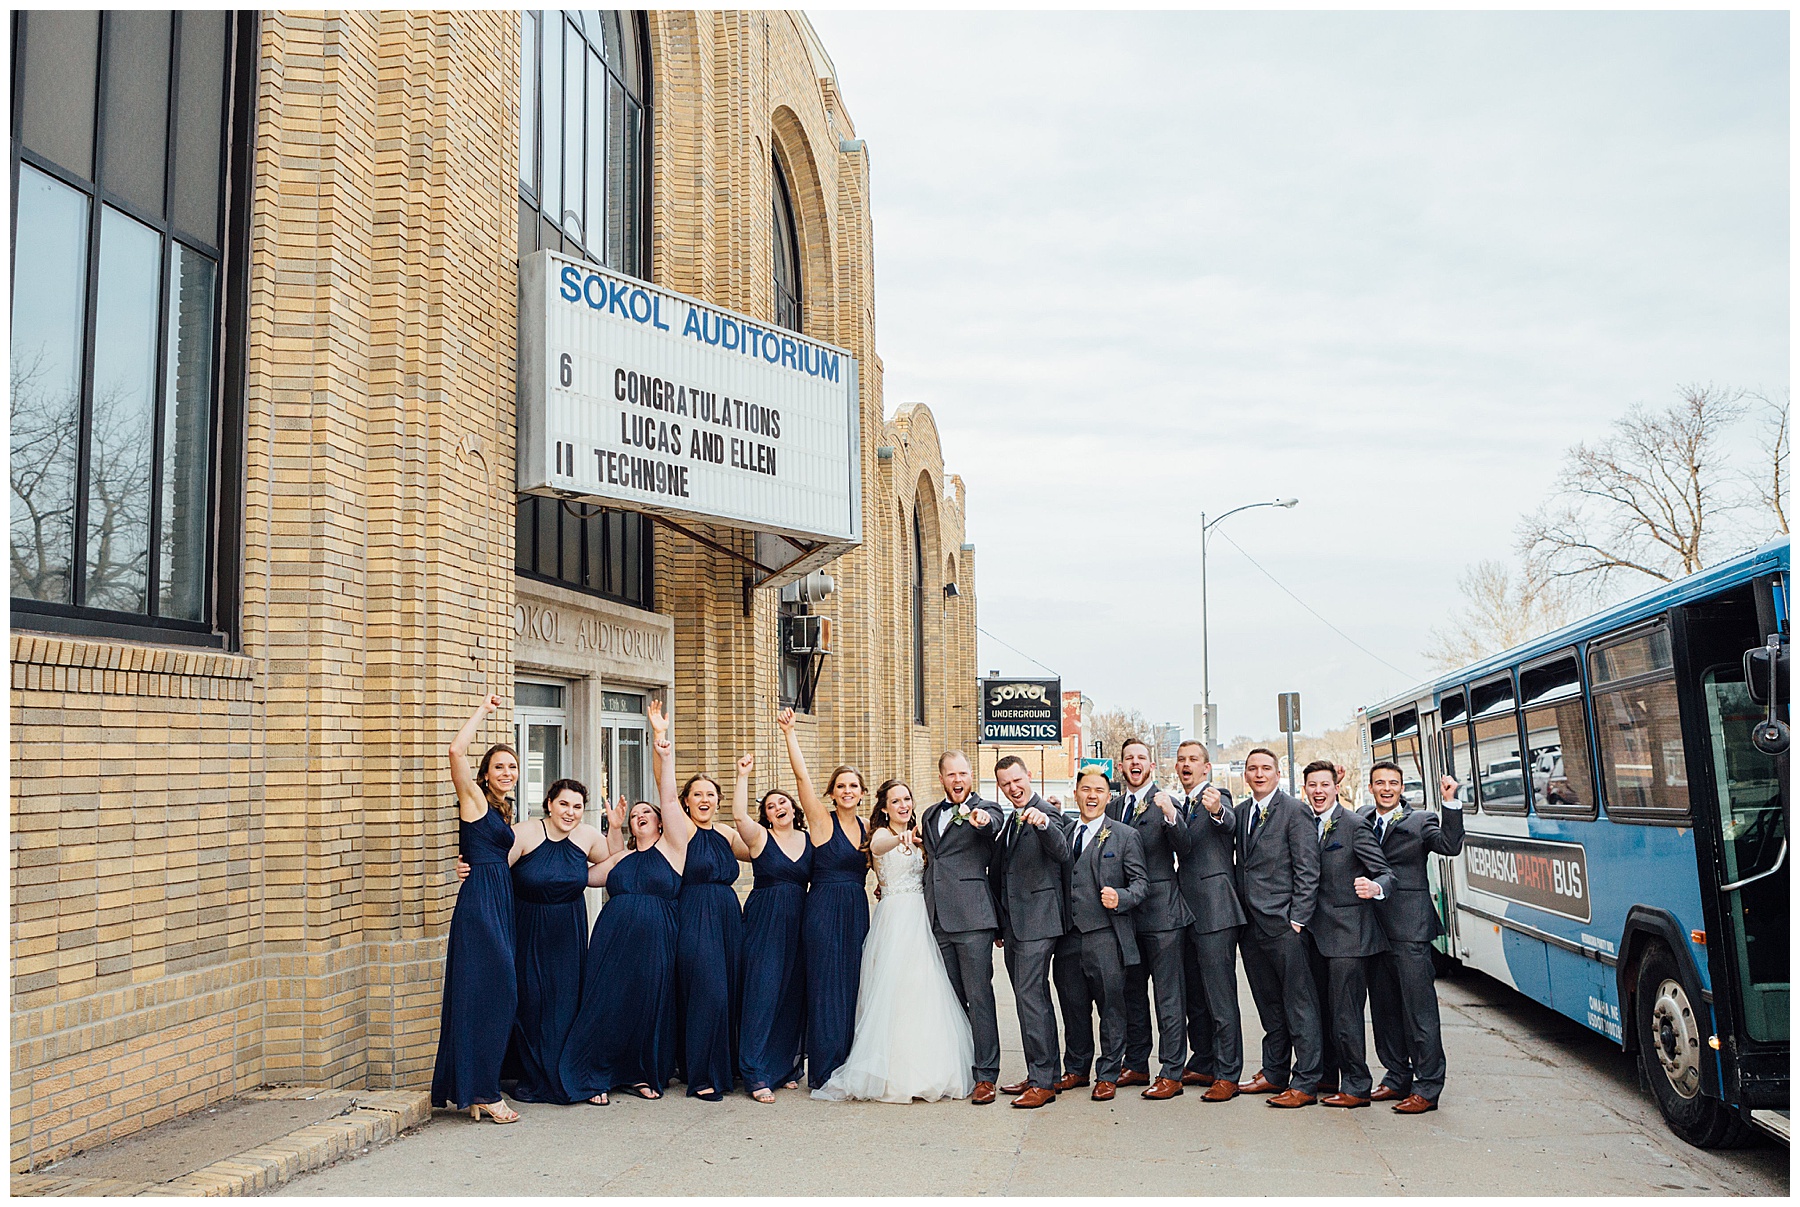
[[1288, 705]]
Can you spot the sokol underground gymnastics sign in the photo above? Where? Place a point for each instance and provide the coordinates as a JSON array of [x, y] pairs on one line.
[[634, 396]]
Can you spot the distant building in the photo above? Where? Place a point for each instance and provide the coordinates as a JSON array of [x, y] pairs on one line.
[[1167, 739]]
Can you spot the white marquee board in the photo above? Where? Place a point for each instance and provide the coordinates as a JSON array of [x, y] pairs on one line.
[[636, 397]]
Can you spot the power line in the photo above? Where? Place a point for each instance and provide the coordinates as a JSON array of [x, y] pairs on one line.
[[1015, 649], [1353, 641]]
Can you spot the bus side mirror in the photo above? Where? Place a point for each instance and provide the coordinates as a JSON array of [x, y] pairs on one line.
[[1766, 666]]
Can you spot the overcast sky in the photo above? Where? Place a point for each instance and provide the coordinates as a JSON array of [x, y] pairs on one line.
[[1146, 265]]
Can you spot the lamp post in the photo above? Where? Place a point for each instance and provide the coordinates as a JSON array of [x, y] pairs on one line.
[[1207, 526]]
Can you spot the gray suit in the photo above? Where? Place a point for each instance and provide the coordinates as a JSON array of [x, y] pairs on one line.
[[1092, 957], [1208, 877], [1028, 885], [1343, 935], [1160, 923], [960, 901], [1278, 882], [1402, 997]]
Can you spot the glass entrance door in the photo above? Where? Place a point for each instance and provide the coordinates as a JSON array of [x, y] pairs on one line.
[[541, 735], [625, 746]]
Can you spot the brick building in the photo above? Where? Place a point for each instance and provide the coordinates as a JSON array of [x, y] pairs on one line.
[[268, 543]]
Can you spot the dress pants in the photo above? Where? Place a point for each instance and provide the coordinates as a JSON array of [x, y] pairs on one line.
[[1028, 967], [1215, 1032], [1090, 972], [969, 960], [1403, 1006], [1342, 985], [1159, 953], [1287, 1004]]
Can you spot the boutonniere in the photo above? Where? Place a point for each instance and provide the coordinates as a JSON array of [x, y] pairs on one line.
[[1143, 805], [1329, 827], [1100, 839], [962, 816]]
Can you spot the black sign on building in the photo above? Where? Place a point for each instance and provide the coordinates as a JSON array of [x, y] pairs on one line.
[[1024, 711]]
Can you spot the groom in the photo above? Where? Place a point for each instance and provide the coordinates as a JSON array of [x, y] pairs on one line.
[[1032, 852], [959, 845]]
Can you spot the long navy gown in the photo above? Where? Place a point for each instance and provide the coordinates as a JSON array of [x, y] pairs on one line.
[[480, 989], [835, 924], [548, 882], [772, 1036], [709, 964], [624, 1032]]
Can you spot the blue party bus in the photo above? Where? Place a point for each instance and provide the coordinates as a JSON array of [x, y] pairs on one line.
[[1625, 787]]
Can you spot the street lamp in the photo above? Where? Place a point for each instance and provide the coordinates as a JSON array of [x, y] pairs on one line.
[[1206, 526]]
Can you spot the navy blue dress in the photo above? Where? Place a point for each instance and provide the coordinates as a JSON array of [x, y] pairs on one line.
[[709, 964], [772, 1036], [548, 883], [480, 988], [624, 1032], [835, 924]]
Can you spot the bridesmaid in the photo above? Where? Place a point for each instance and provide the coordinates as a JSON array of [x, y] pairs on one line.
[[550, 876], [710, 949], [481, 991], [772, 1034], [836, 919], [624, 1032]]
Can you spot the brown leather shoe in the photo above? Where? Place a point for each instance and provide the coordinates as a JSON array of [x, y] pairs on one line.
[[1104, 1091], [1192, 1078], [1258, 1085], [1034, 1097], [1133, 1077], [1414, 1104], [1292, 1098], [1070, 1081], [1222, 1090], [1386, 1093], [1017, 1087], [1342, 1099], [1163, 1088], [983, 1095]]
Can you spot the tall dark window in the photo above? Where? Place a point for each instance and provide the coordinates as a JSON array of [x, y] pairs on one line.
[[583, 180], [130, 163], [918, 619], [787, 251]]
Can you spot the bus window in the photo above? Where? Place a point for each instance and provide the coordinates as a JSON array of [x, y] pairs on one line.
[[1643, 765], [1406, 753], [1455, 747], [1499, 767], [1556, 746]]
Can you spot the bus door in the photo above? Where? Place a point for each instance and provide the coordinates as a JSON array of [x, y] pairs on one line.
[[1742, 823]]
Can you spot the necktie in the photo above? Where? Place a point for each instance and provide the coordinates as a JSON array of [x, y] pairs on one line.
[[1380, 827], [1081, 834]]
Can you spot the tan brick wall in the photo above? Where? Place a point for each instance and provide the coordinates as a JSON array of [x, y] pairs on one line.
[[230, 869]]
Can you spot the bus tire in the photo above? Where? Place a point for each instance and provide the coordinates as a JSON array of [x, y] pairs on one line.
[[1669, 1038]]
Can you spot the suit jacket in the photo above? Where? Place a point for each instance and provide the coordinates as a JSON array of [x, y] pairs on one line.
[[957, 893], [1409, 914], [1344, 924], [1163, 907], [1278, 863], [1113, 857], [1208, 872], [1028, 875]]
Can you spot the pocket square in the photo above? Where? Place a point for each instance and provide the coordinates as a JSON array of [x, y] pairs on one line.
[[1109, 855], [1336, 846]]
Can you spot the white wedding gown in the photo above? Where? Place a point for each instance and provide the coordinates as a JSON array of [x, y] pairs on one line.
[[912, 1037]]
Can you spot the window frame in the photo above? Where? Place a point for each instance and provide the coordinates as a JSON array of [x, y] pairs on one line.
[[781, 196], [1488, 715], [918, 618], [1466, 778], [1570, 654], [220, 626], [1628, 814]]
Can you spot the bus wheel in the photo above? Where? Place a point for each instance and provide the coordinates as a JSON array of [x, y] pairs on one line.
[[1669, 1034]]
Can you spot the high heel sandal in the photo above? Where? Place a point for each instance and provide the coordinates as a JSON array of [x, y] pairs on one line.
[[477, 1110]]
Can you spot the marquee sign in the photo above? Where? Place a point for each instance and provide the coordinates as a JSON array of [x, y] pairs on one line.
[[632, 396], [1021, 710]]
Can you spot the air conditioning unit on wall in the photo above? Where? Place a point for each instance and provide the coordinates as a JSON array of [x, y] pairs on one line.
[[809, 634]]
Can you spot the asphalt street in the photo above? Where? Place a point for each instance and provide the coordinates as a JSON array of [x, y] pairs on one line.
[[1535, 1105]]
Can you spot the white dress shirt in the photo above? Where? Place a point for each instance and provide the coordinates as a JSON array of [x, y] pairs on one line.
[[1085, 831]]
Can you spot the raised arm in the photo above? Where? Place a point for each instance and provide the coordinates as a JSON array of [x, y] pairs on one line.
[[618, 827], [1137, 872], [471, 801], [747, 841], [818, 814], [678, 827], [598, 872], [1445, 837]]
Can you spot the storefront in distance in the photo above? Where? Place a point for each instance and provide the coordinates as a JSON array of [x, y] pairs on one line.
[[269, 547]]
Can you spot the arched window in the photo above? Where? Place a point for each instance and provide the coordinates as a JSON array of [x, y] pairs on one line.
[[583, 185], [918, 619], [787, 251]]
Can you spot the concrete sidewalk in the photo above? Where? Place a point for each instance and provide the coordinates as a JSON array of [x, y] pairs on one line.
[[1535, 1105]]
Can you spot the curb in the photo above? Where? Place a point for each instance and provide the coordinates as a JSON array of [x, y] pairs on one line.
[[370, 1117]]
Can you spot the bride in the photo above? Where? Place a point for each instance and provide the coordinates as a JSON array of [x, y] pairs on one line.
[[912, 1037]]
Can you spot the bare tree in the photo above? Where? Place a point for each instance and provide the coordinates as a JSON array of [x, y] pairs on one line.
[[1646, 499], [1113, 725], [1502, 607], [1771, 483]]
